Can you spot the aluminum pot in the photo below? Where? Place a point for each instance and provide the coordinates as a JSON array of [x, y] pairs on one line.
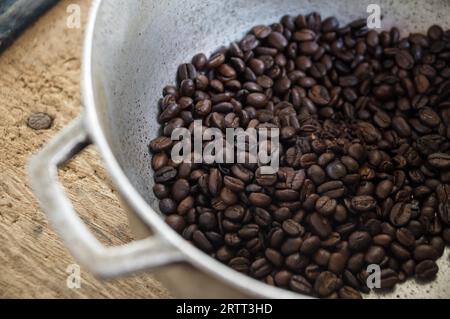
[[132, 50]]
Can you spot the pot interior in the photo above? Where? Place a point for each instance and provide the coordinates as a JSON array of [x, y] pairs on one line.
[[139, 44]]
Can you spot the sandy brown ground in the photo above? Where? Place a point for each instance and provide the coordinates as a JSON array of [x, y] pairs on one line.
[[40, 73]]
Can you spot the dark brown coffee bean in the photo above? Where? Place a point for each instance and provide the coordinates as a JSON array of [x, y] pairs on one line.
[[383, 240], [404, 59], [326, 205], [304, 35], [165, 174], [336, 170], [234, 184], [159, 161], [389, 278], [359, 240], [423, 252], [168, 206], [277, 40], [214, 182], [186, 71], [161, 191], [296, 262], [319, 95], [363, 203], [333, 189], [240, 264], [320, 225], [310, 245], [258, 100], [347, 292], [326, 284], [262, 217], [202, 242], [180, 189], [308, 48], [261, 31], [300, 284], [185, 205], [292, 228], [282, 278], [375, 255], [399, 251], [260, 199], [426, 270], [400, 214], [274, 257], [439, 160], [337, 262], [384, 189]]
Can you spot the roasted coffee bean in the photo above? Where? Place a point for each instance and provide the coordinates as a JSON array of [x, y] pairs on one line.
[[274, 257], [296, 262], [404, 59], [277, 40], [167, 206], [400, 214], [359, 240], [161, 191], [384, 189], [300, 284], [185, 205], [310, 245], [165, 174], [333, 189], [399, 251], [159, 161], [374, 255], [257, 100], [389, 278], [320, 225], [347, 292], [363, 203], [426, 270], [181, 189], [319, 95], [326, 205], [423, 252], [439, 160], [291, 245], [316, 174], [176, 222], [260, 199], [337, 262], [327, 283], [200, 239], [336, 170], [405, 237], [160, 144], [292, 228], [214, 182]]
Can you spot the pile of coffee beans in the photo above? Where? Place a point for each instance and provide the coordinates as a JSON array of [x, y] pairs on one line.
[[364, 178]]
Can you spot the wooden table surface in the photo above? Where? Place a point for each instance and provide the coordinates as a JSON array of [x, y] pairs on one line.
[[40, 73]]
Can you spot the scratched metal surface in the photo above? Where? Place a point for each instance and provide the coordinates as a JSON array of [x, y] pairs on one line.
[[16, 15], [137, 52]]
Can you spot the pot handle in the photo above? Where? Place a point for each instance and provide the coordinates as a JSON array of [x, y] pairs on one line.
[[103, 261]]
